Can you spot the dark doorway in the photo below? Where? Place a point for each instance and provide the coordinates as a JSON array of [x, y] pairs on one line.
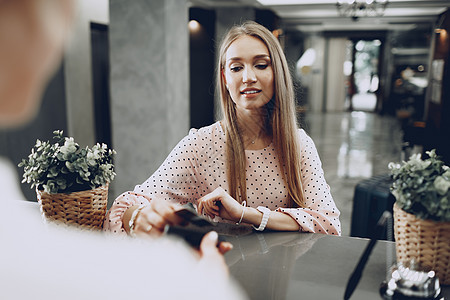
[[100, 82], [202, 57]]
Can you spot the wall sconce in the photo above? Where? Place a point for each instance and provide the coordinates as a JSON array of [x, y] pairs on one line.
[[194, 26], [438, 28]]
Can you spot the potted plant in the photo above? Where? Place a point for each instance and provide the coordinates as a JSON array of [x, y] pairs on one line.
[[71, 182], [422, 212]]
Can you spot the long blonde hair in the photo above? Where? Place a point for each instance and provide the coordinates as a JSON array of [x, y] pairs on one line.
[[281, 121]]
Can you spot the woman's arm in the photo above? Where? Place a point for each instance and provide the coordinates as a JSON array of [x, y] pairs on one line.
[[231, 210], [151, 219], [320, 213], [174, 182], [277, 220], [119, 214], [321, 217]]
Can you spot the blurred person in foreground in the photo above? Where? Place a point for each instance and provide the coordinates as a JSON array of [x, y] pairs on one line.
[[49, 262]]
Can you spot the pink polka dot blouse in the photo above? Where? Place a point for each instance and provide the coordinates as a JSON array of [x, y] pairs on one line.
[[196, 167]]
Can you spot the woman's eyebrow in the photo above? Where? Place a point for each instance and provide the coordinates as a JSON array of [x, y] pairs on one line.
[[259, 56]]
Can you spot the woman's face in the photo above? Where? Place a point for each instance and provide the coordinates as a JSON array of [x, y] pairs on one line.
[[248, 73]]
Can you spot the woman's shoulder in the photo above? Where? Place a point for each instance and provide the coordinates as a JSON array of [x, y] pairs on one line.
[[302, 134], [213, 131], [305, 140]]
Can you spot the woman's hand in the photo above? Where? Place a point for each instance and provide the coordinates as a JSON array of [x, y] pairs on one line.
[[153, 218], [220, 203]]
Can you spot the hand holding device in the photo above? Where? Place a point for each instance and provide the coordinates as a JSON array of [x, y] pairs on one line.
[[196, 227]]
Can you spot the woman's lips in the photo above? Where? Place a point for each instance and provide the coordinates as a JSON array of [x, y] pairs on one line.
[[250, 93]]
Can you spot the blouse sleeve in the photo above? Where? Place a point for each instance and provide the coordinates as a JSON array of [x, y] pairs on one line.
[[175, 181], [320, 214]]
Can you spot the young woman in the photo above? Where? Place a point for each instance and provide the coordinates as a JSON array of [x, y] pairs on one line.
[[255, 166]]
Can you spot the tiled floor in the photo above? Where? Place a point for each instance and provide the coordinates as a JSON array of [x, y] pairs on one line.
[[353, 146]]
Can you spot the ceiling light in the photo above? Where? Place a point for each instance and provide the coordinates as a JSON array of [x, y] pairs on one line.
[[361, 8]]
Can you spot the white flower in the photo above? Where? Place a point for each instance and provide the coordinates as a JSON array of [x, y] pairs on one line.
[[69, 146], [441, 185]]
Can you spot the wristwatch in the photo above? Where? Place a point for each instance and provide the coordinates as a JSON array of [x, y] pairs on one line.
[[266, 214]]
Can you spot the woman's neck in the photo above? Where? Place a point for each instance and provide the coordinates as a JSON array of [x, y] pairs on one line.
[[253, 131]]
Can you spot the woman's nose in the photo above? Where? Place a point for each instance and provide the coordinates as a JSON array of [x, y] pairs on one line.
[[248, 75]]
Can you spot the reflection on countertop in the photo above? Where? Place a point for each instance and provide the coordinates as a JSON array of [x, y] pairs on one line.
[[292, 265]]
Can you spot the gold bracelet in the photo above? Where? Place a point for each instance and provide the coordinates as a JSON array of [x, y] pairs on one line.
[[133, 219], [244, 204]]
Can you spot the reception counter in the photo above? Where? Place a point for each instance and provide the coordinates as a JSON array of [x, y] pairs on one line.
[[292, 265], [284, 265]]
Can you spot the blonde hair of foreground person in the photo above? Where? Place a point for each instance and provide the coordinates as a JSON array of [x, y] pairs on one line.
[[280, 117], [32, 35]]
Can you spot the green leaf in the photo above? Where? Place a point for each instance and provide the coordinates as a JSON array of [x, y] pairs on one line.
[[422, 187], [64, 166]]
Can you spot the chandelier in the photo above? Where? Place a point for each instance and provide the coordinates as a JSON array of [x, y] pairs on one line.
[[363, 8]]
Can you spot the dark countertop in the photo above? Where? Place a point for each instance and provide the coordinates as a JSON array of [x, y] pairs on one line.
[[287, 265]]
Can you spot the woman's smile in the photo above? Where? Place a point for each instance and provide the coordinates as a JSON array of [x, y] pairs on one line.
[[250, 93]]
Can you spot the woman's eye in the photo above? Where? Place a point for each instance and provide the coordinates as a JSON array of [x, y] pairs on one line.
[[235, 69], [262, 66]]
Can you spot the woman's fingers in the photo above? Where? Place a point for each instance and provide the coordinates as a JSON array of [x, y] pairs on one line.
[[208, 204], [207, 211], [211, 209], [215, 207], [157, 221], [149, 223], [200, 206], [167, 211], [219, 203], [153, 219]]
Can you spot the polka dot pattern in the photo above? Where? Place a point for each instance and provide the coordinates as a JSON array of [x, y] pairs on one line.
[[196, 167]]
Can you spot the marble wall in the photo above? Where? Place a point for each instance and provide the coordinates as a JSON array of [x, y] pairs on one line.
[[149, 43], [314, 80], [335, 82]]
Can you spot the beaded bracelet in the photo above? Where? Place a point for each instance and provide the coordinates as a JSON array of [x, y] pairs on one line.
[[244, 204], [133, 219]]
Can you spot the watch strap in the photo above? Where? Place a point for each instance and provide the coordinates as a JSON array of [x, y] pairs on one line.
[[266, 214]]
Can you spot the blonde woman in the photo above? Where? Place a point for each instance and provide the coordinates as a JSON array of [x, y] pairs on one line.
[[255, 166]]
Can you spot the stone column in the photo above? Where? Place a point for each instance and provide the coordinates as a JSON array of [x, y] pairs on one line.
[[78, 79], [149, 44]]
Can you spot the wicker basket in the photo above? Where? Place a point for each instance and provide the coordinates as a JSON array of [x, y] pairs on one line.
[[426, 241], [85, 209]]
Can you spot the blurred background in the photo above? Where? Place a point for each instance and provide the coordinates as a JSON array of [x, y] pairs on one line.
[[372, 82]]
